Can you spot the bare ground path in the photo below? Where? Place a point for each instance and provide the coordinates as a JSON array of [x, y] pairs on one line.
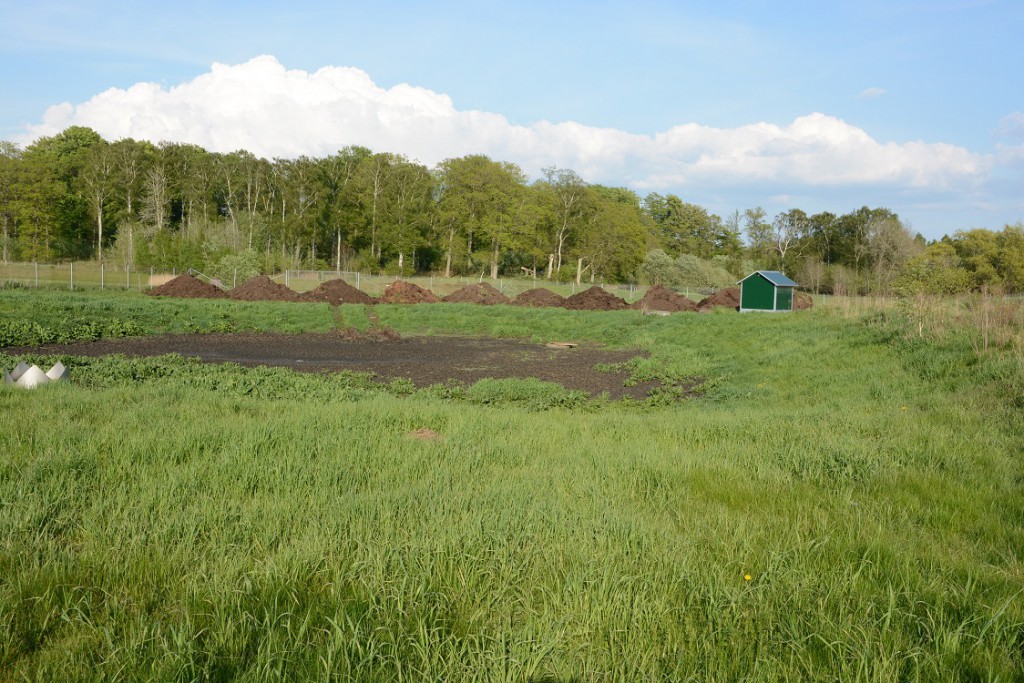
[[424, 360]]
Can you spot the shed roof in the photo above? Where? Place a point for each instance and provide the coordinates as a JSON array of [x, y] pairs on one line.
[[774, 277]]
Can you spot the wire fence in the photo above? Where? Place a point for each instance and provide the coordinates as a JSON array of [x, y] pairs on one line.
[[83, 275], [93, 275]]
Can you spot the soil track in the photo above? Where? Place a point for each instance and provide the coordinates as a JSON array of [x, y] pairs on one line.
[[424, 360]]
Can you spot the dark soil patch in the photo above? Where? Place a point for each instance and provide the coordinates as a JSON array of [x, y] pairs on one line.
[[262, 288], [723, 298], [594, 299], [539, 298], [337, 292], [188, 287], [659, 298], [424, 360], [401, 292], [479, 293]]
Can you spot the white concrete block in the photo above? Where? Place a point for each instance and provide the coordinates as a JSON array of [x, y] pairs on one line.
[[19, 370], [32, 378], [57, 372]]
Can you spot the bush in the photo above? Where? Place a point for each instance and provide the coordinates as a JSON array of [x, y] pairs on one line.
[[238, 267]]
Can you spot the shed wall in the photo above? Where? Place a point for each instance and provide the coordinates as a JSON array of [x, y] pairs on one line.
[[758, 294], [784, 302]]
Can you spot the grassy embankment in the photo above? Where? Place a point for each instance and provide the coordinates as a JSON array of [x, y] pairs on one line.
[[160, 520]]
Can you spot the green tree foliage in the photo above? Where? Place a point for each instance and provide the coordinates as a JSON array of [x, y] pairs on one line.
[[937, 271], [612, 243], [686, 228], [567, 208], [10, 155], [74, 195], [759, 234]]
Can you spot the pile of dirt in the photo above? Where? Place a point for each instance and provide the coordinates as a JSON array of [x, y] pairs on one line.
[[262, 288], [594, 299], [801, 301], [336, 292], [375, 334], [401, 292], [480, 293], [539, 298], [188, 287], [724, 298], [659, 298]]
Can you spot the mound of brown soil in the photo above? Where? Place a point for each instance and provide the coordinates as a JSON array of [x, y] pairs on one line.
[[480, 293], [378, 334], [335, 292], [262, 288], [801, 301], [539, 298], [188, 287], [401, 292], [723, 298], [594, 299], [659, 298]]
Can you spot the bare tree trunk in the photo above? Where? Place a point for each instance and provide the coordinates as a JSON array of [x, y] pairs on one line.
[[99, 234], [551, 266], [494, 262], [562, 234]]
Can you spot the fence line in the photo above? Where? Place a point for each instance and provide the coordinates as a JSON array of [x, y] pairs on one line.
[[93, 275]]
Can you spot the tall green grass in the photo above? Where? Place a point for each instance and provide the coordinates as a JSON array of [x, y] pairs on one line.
[[259, 528]]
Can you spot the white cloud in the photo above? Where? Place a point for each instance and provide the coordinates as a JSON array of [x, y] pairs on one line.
[[275, 112], [871, 93], [1011, 127], [1010, 139]]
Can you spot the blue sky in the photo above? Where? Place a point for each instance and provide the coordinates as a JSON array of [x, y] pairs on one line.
[[916, 106]]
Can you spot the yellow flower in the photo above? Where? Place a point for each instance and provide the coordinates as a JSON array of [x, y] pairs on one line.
[[747, 577], [903, 407]]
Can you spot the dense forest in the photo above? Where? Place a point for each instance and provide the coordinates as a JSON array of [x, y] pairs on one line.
[[76, 196]]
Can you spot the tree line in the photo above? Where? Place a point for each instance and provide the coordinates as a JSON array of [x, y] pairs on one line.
[[75, 195]]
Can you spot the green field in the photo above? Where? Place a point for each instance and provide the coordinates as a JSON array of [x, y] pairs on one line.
[[842, 503]]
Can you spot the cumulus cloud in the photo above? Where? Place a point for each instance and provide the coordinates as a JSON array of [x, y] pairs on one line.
[[275, 112]]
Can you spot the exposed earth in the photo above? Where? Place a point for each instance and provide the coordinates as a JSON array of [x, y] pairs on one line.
[[337, 291], [424, 360], [479, 293], [594, 299], [659, 298]]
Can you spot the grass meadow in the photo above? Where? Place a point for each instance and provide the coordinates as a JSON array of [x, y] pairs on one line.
[[842, 503]]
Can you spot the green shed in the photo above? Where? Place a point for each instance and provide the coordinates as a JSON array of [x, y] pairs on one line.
[[766, 290]]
